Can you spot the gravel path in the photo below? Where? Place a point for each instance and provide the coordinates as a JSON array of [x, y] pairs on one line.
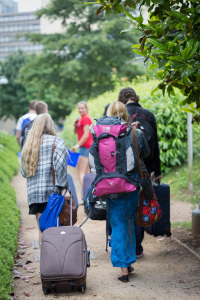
[[167, 270]]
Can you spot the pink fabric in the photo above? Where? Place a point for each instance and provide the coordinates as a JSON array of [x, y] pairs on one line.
[[106, 146], [112, 186], [115, 130]]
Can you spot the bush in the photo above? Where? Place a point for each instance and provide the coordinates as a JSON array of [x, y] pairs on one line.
[[171, 120], [10, 215]]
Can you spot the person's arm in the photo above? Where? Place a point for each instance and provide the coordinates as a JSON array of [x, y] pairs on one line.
[[60, 164], [18, 135], [18, 130], [83, 138]]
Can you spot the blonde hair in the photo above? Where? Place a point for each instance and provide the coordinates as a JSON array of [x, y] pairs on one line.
[[118, 109], [30, 152], [84, 103]]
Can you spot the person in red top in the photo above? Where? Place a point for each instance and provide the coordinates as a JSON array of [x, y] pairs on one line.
[[81, 128]]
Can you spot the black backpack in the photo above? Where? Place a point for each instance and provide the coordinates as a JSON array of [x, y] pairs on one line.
[[146, 127]]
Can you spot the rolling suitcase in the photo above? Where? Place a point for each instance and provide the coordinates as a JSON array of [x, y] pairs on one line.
[[98, 212], [162, 226], [63, 259]]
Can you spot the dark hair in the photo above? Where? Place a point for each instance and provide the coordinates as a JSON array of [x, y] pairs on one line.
[[32, 104], [41, 107], [127, 94]]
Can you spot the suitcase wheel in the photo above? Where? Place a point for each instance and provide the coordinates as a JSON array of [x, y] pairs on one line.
[[168, 234], [81, 289], [46, 291]]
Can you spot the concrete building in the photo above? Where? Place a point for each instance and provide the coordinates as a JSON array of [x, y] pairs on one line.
[[8, 6], [14, 24]]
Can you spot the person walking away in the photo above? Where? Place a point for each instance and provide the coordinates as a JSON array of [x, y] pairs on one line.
[[81, 128], [40, 108], [36, 164], [23, 120], [128, 97], [123, 242]]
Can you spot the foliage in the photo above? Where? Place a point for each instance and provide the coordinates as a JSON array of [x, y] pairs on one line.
[[178, 180], [171, 121], [187, 225], [10, 215], [13, 100], [78, 63], [170, 42]]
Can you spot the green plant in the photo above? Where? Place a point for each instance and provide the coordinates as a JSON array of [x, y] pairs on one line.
[[187, 225], [10, 214], [169, 42], [171, 120]]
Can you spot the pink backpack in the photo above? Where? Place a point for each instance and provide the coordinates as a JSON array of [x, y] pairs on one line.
[[112, 158]]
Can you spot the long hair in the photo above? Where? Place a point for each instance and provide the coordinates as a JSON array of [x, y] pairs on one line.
[[30, 152], [118, 109]]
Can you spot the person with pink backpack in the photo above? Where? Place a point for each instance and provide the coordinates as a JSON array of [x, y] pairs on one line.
[[112, 157]]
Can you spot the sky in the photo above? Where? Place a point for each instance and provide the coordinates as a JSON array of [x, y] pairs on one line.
[[28, 5]]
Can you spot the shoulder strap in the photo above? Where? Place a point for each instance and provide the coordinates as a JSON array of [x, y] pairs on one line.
[[136, 150], [53, 171]]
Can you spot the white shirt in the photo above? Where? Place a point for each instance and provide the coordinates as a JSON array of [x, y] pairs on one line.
[[30, 116]]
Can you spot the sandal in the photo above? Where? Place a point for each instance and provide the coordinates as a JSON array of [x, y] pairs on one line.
[[130, 269], [123, 278]]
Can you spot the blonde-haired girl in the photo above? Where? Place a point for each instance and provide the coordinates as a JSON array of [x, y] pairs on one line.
[[123, 243], [37, 164]]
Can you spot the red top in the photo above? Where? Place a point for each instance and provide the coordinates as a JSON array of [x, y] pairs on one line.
[[84, 120]]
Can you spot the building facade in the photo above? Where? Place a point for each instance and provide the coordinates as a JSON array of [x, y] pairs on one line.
[[8, 6], [13, 26]]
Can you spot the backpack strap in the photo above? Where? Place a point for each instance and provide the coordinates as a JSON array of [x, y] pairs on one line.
[[118, 155], [107, 223], [53, 171], [136, 151], [135, 115]]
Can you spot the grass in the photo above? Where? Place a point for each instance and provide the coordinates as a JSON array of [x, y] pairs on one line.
[[178, 181], [10, 214], [187, 225]]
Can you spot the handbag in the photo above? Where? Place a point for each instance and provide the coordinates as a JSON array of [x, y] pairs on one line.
[[64, 216], [148, 210]]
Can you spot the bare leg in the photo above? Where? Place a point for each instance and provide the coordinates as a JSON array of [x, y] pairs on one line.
[[37, 218], [82, 168], [124, 271]]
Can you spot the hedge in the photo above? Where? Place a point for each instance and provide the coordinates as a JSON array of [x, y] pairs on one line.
[[10, 214], [171, 119]]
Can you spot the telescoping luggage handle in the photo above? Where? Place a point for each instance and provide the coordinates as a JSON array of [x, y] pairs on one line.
[[68, 188]]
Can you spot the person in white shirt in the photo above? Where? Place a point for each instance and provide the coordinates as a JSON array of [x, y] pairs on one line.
[[31, 115]]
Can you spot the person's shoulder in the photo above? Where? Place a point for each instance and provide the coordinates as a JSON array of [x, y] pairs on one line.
[[60, 142], [87, 118]]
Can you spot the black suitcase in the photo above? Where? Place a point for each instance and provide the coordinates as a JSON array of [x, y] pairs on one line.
[[98, 212], [63, 259], [163, 226]]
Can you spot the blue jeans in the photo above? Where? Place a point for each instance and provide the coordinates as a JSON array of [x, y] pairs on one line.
[[84, 151]]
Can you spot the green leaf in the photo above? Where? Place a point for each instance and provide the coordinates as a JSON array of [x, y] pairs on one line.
[[194, 49], [158, 44]]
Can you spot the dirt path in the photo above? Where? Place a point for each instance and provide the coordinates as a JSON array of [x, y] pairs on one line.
[[167, 271]]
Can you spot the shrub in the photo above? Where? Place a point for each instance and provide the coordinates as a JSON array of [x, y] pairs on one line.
[[10, 215], [171, 119]]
